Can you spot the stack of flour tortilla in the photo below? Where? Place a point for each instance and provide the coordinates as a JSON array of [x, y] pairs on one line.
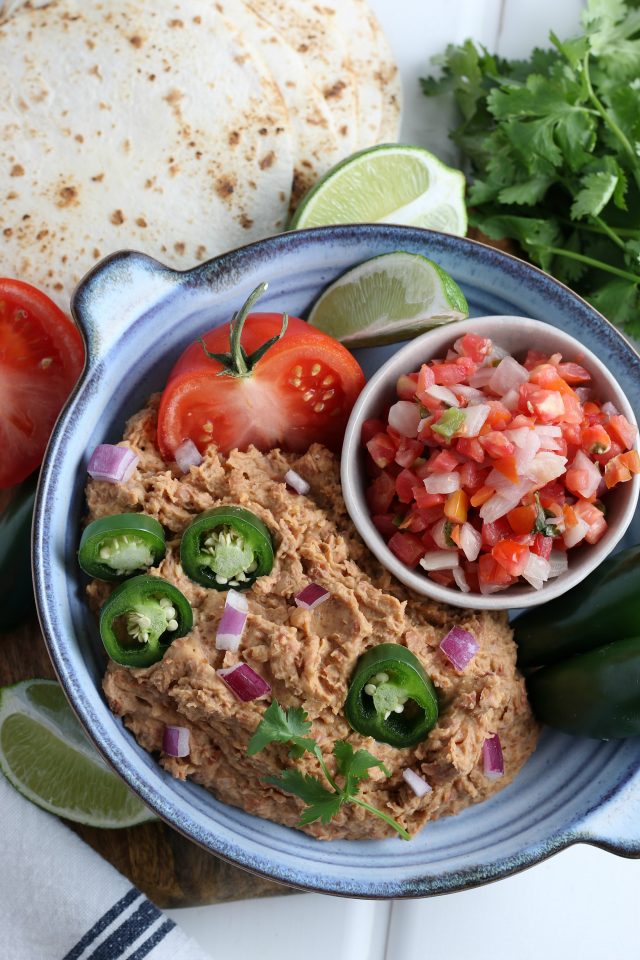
[[181, 128]]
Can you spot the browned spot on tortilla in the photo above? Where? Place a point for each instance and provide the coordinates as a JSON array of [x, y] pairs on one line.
[[282, 196], [67, 196], [151, 77], [12, 195], [197, 19], [267, 161], [41, 234], [234, 138], [95, 71], [17, 170], [198, 154], [263, 131], [344, 130], [174, 169], [22, 103], [126, 146], [96, 253], [90, 44], [79, 138], [246, 221], [179, 248], [58, 286], [149, 183], [7, 231], [136, 40], [117, 218], [141, 222], [334, 92], [225, 187], [176, 24], [98, 178], [303, 47], [200, 252]]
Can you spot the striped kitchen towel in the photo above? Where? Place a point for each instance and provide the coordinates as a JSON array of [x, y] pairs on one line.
[[59, 900]]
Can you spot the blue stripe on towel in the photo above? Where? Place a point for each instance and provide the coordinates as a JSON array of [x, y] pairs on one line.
[[104, 921], [153, 940], [127, 933]]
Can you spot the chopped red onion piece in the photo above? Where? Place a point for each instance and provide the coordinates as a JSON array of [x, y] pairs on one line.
[[244, 682], [404, 416], [442, 482], [419, 786], [112, 463], [492, 760], [311, 597], [175, 741], [508, 375], [459, 647], [474, 419], [296, 482], [232, 622], [187, 455], [438, 392]]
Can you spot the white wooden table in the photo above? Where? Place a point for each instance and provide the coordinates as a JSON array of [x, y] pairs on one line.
[[582, 903]]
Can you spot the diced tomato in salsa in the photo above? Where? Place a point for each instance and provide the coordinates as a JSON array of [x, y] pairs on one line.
[[380, 493], [407, 547]]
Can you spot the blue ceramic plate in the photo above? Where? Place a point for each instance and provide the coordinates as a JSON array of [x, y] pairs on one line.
[[137, 317]]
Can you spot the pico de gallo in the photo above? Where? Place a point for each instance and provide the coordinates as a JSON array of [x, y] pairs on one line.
[[487, 470]]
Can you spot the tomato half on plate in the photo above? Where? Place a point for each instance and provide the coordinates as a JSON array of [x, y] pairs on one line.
[[41, 357], [300, 391]]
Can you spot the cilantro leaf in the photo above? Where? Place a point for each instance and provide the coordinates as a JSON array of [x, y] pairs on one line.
[[322, 804], [541, 525], [277, 726], [597, 190], [354, 766]]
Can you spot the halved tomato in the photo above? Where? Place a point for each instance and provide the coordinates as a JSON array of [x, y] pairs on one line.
[[41, 357], [300, 390]]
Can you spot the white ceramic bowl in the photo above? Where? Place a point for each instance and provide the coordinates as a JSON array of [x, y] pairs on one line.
[[516, 335]]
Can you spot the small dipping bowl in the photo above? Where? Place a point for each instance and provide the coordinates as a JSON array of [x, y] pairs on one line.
[[516, 335]]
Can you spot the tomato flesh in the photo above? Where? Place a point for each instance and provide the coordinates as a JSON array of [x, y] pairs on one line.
[[41, 357]]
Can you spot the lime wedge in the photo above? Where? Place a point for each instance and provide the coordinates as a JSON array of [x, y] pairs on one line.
[[391, 183], [392, 297], [45, 754]]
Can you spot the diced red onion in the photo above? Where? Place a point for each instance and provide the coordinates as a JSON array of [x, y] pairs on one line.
[[442, 482], [296, 482], [526, 452], [496, 354], [438, 392], [419, 786], [511, 400], [244, 682], [474, 419], [405, 416], [573, 535], [467, 393], [460, 578], [175, 741], [549, 430], [481, 377], [459, 647], [492, 759], [592, 477], [558, 563], [187, 455], [232, 622], [111, 463], [311, 597], [536, 570], [439, 560], [470, 542], [546, 467], [609, 409], [508, 375]]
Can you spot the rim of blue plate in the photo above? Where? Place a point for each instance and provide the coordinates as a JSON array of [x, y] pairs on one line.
[[220, 844]]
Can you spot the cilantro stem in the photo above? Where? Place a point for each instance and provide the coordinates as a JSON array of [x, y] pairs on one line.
[[383, 816], [610, 122], [590, 261], [318, 755], [610, 232], [592, 228]]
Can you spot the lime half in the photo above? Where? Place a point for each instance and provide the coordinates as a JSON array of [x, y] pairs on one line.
[[395, 296], [45, 754], [390, 183]]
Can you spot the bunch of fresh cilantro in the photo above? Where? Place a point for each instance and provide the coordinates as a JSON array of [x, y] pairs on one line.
[[553, 145], [293, 728]]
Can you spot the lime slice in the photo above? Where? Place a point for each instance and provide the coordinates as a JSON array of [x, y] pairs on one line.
[[392, 297], [45, 754], [390, 183]]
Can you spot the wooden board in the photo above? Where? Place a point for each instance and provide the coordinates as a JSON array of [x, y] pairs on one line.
[[170, 870]]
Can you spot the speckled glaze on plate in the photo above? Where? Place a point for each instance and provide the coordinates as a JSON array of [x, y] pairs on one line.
[[137, 316]]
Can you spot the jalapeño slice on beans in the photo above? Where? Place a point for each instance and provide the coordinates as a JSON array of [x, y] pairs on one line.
[[391, 698], [115, 547], [141, 618], [226, 547]]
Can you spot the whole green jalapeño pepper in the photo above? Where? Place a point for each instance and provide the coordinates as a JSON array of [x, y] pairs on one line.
[[391, 698], [226, 547], [141, 619], [115, 547], [601, 609], [594, 694]]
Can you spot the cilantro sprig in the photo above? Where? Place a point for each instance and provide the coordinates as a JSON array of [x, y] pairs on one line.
[[554, 150], [293, 728]]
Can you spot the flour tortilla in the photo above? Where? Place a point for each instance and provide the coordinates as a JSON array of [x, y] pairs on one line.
[[387, 77], [131, 124], [313, 31], [316, 146]]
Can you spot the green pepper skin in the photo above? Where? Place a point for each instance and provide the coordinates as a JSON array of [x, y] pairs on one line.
[[604, 607], [140, 593], [407, 675], [595, 694], [243, 522], [16, 586], [144, 529]]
